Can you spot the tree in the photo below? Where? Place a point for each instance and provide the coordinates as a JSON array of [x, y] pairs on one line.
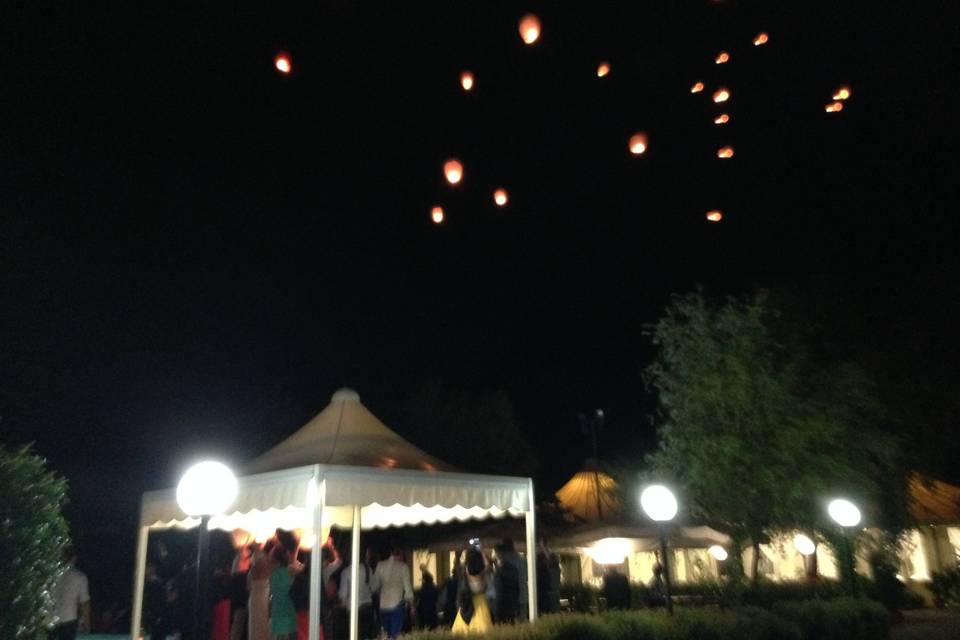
[[33, 533], [476, 431], [757, 435]]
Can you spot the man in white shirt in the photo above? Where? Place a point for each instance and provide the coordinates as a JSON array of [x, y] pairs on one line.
[[392, 580], [71, 601], [366, 623]]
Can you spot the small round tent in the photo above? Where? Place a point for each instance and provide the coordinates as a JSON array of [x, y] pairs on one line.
[[345, 468]]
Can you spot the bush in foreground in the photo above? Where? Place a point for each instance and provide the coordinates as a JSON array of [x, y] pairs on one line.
[[841, 619]]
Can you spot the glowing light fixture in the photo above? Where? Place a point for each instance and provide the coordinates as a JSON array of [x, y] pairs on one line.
[[804, 544], [722, 58], [609, 550], [697, 87], [714, 215], [529, 28], [833, 107], [453, 170], [659, 503], [603, 69], [725, 152], [500, 197], [466, 80], [760, 39], [718, 552], [723, 118], [721, 95], [844, 512], [207, 488], [842, 93], [282, 63], [638, 143], [436, 214]]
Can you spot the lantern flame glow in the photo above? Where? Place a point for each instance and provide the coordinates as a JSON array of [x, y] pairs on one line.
[[723, 118], [761, 38], [842, 93], [715, 215], [529, 28], [436, 214], [466, 80], [722, 58], [834, 107], [721, 95], [282, 63], [725, 152], [500, 197], [453, 170], [697, 87], [638, 143], [603, 69]]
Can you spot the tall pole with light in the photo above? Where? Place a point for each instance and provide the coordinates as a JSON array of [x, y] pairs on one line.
[[660, 505], [847, 515], [207, 489]]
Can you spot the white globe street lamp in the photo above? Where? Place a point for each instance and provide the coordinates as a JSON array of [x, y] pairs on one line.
[[207, 489], [660, 505], [847, 515]]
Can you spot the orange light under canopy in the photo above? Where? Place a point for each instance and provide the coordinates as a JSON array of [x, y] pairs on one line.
[[466, 80], [761, 38], [603, 69], [721, 95], [638, 143], [453, 171], [722, 58], [834, 107], [436, 214], [529, 28], [715, 215], [697, 87], [842, 93], [282, 63], [500, 197], [723, 118], [725, 152]]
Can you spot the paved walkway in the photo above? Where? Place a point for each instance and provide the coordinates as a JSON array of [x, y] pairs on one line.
[[928, 624]]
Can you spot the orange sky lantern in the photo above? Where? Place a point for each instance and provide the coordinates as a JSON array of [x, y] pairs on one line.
[[697, 87], [436, 214], [603, 69], [834, 107], [453, 170], [760, 39], [722, 58], [725, 152], [282, 63], [500, 197], [842, 93], [466, 80], [714, 215], [723, 118], [529, 28], [721, 95], [638, 143]]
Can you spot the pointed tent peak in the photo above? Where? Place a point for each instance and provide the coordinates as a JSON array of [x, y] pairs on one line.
[[932, 501], [590, 496], [346, 433]]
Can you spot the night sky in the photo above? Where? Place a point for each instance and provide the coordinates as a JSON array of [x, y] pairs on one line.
[[197, 250]]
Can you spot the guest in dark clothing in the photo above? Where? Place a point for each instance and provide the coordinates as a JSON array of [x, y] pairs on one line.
[[427, 601], [448, 596], [616, 589]]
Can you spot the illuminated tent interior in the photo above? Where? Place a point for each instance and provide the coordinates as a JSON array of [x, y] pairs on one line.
[[342, 468], [590, 495]]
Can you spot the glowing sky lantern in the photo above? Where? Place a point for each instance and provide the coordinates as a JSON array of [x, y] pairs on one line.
[[722, 58], [725, 152], [714, 215], [834, 107], [842, 93], [697, 87], [453, 170], [603, 69], [723, 118], [436, 214], [500, 197], [721, 95], [760, 39], [282, 63], [529, 28], [466, 80], [638, 143]]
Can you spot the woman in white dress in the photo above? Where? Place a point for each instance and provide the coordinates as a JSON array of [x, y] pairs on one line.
[[258, 583]]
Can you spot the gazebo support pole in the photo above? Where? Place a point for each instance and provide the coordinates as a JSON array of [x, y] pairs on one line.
[[139, 576], [315, 562], [355, 576], [531, 522]]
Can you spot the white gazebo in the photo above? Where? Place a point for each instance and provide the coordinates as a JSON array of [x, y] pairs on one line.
[[348, 469]]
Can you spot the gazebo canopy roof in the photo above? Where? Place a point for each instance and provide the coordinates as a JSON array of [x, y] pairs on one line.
[[346, 433], [932, 501], [590, 495]]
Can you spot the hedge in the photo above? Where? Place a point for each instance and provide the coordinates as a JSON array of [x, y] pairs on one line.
[[845, 618]]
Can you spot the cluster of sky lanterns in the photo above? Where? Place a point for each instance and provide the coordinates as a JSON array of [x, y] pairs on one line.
[[839, 96]]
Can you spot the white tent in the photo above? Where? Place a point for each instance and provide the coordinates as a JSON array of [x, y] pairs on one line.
[[346, 468]]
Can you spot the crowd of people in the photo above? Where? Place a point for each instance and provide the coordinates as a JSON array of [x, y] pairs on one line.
[[264, 593]]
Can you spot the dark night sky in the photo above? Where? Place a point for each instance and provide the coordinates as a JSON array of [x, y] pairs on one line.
[[197, 251]]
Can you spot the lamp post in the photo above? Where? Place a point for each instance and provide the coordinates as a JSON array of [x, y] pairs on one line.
[[847, 515], [206, 489], [660, 505]]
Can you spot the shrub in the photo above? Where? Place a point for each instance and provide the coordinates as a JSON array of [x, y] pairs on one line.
[[945, 586], [32, 535], [840, 619]]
